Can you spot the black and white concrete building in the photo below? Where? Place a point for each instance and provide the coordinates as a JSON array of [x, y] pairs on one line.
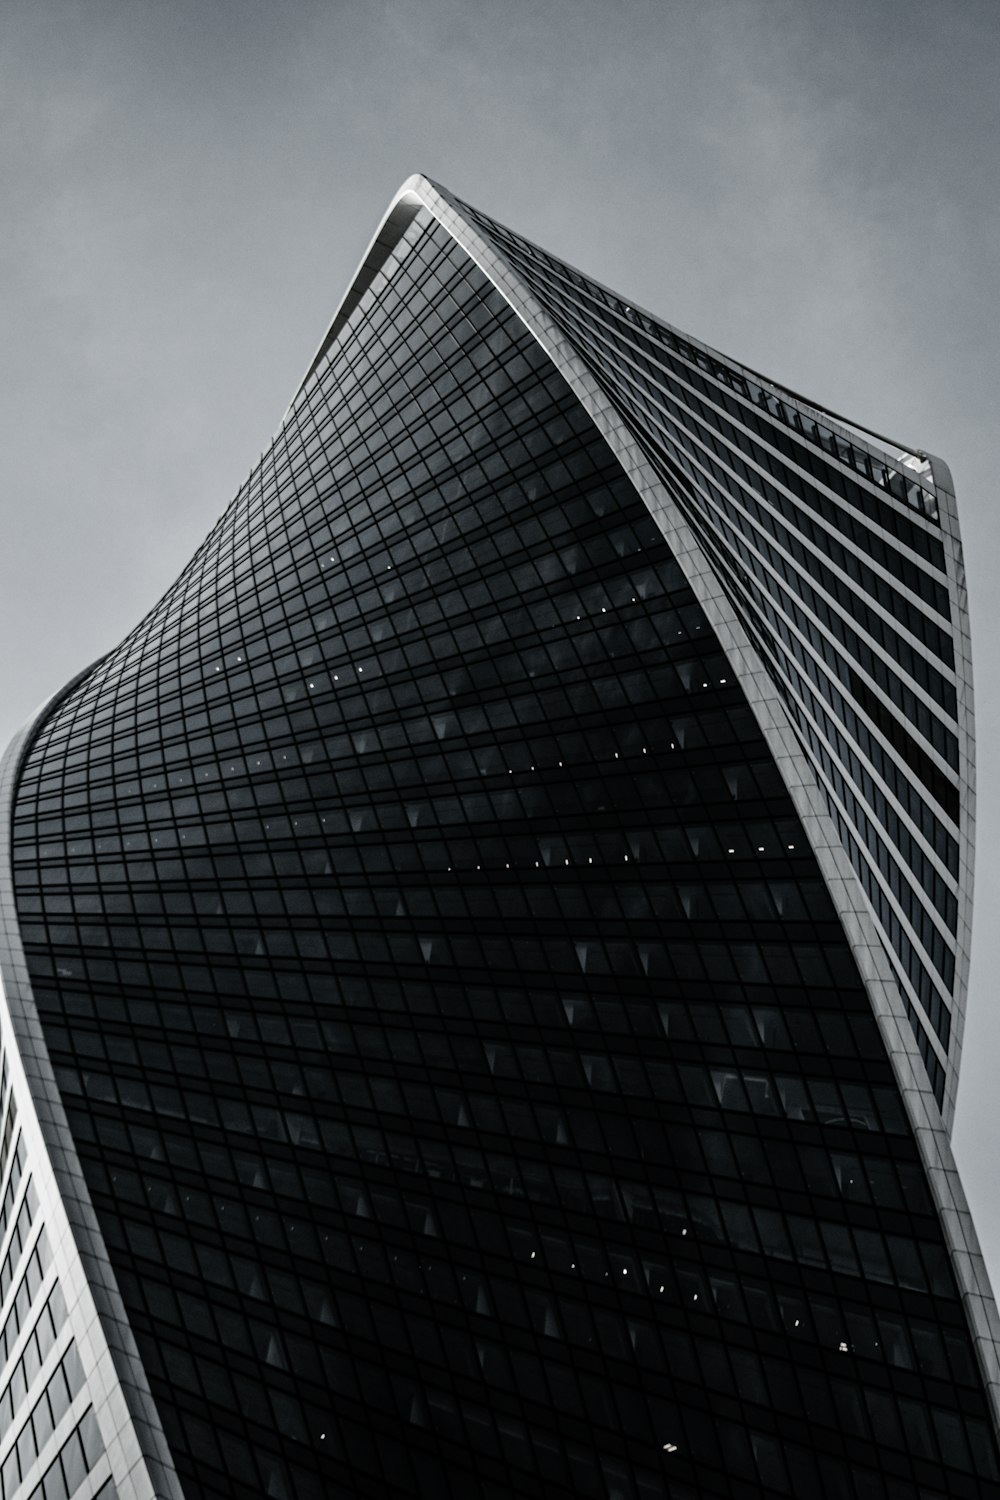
[[484, 959]]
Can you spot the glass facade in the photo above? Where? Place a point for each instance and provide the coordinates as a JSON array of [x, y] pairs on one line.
[[832, 553], [45, 1409], [473, 1082]]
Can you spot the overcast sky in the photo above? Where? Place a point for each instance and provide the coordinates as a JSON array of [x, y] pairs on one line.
[[187, 186]]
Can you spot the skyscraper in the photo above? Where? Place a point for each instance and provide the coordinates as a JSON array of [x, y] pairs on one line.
[[485, 957]]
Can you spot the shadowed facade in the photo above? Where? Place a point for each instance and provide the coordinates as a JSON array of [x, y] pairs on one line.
[[485, 956]]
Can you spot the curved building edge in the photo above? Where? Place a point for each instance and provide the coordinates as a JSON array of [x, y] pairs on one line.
[[929, 1122], [138, 1458], [958, 599], [136, 1463]]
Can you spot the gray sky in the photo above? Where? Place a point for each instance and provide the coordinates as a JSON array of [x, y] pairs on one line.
[[187, 186]]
